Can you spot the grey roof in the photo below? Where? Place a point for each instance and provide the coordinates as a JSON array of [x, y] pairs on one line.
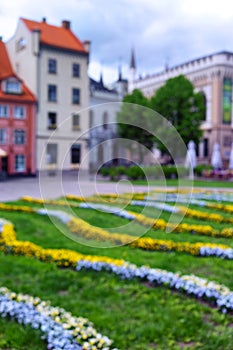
[[99, 86]]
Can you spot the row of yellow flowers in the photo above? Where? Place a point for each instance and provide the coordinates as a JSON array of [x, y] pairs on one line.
[[62, 257], [182, 227], [228, 208], [187, 212], [190, 284], [85, 230], [157, 224]]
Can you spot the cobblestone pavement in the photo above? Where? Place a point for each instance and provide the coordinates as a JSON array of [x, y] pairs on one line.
[[47, 186]]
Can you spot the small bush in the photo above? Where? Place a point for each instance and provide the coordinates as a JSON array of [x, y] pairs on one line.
[[153, 172], [135, 173], [121, 170], [113, 174], [200, 168], [104, 171], [169, 171]]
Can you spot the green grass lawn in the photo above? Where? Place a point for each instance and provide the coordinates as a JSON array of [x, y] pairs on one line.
[[186, 183], [135, 315]]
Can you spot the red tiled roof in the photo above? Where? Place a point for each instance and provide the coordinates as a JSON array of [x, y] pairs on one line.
[[55, 36], [5, 64], [6, 71]]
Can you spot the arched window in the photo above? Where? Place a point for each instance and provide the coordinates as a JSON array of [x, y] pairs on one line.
[[205, 105]]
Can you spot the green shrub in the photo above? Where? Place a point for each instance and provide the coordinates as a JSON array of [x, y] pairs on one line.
[[182, 171], [201, 167], [114, 176], [169, 171], [104, 171], [153, 172], [121, 170], [135, 173]]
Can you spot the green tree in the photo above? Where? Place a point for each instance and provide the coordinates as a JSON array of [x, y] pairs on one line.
[[181, 106], [134, 121]]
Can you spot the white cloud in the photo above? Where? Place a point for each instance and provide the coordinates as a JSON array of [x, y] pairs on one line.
[[159, 30]]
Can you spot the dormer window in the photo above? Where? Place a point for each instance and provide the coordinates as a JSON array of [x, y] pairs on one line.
[[12, 86]]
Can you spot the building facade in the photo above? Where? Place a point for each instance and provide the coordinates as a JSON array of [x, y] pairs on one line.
[[211, 75], [54, 63], [104, 106], [17, 121]]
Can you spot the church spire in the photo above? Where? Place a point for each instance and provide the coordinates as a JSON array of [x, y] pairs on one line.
[[132, 60], [101, 79], [132, 71], [119, 73]]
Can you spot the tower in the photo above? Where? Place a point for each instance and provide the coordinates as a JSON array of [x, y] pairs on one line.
[[121, 84], [132, 69]]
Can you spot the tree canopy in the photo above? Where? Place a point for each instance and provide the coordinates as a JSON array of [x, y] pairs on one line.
[[134, 122], [176, 101], [182, 106]]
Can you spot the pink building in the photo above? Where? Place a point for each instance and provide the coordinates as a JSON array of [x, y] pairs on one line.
[[17, 122]]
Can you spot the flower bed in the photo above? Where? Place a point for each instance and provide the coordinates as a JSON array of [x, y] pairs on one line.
[[156, 224], [85, 230], [62, 330], [220, 295]]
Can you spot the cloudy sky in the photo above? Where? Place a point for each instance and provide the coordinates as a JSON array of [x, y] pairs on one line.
[[161, 32]]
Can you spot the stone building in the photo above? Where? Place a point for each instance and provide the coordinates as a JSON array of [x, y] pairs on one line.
[[54, 63], [104, 105], [211, 75]]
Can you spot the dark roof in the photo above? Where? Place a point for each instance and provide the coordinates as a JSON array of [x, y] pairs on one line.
[[99, 86]]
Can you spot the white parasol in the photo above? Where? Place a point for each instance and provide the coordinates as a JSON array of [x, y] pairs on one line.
[[216, 160]]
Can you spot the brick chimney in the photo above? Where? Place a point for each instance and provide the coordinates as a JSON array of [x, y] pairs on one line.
[[66, 24], [87, 45], [44, 20]]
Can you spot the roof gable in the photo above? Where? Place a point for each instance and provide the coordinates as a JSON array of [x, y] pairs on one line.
[[6, 69], [51, 35], [6, 74]]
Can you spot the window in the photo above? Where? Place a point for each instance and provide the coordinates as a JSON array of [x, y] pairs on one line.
[[51, 153], [206, 147], [20, 44], [105, 120], [203, 117], [76, 122], [3, 111], [227, 141], [12, 86], [52, 93], [20, 163], [76, 96], [52, 120], [19, 112], [52, 66], [76, 154], [2, 136], [19, 137], [76, 70], [91, 120]]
